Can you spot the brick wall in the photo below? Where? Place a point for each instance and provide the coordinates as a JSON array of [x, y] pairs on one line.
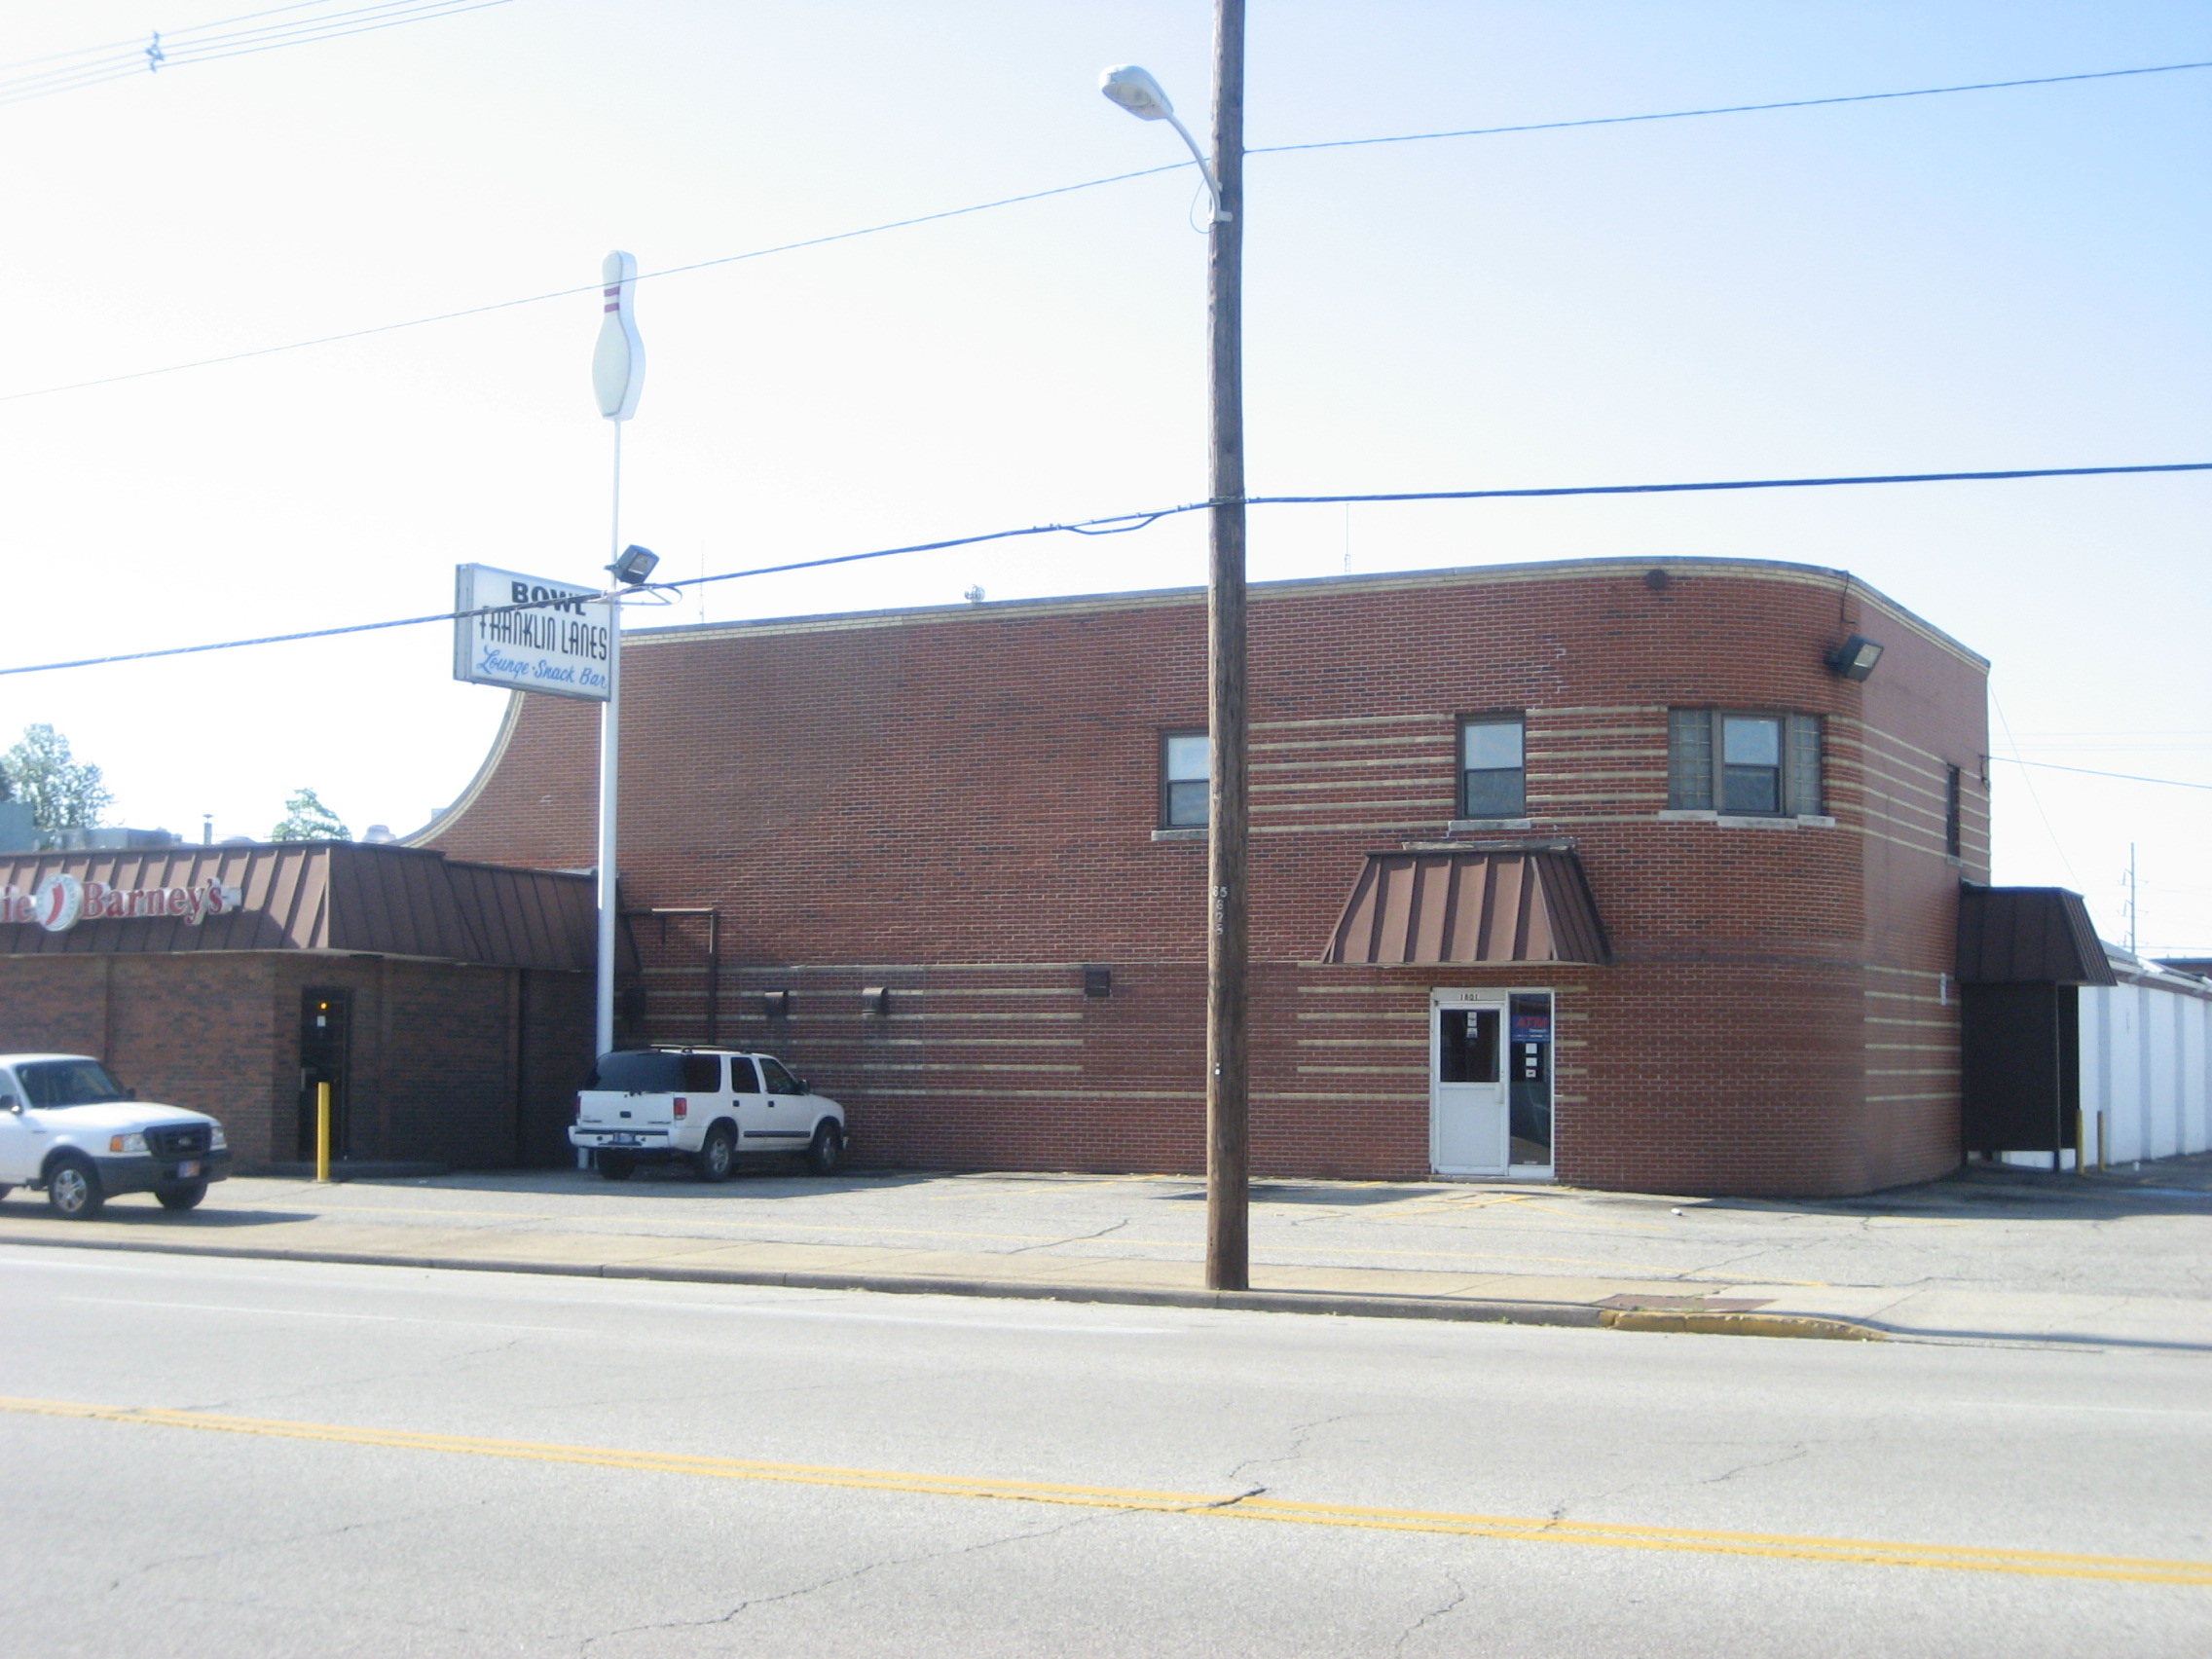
[[450, 1064], [958, 804]]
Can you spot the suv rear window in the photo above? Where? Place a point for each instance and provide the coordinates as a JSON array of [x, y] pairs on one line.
[[68, 1082], [653, 1071]]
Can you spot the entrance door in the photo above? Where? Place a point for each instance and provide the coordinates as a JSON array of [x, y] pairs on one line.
[[1469, 1120], [325, 1022]]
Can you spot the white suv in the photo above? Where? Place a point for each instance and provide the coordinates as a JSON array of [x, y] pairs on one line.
[[706, 1107], [67, 1125]]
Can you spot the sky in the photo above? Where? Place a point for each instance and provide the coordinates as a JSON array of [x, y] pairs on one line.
[[1986, 280]]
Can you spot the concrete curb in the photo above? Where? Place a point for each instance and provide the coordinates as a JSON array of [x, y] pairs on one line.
[[1748, 1325], [1349, 1304]]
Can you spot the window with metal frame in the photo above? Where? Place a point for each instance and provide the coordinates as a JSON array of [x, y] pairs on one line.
[[1186, 771], [1492, 766], [1954, 811], [1742, 762]]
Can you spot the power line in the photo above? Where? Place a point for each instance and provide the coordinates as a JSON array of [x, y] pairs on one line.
[[1120, 524], [586, 288], [1733, 110], [2093, 772], [92, 66], [1039, 195], [1739, 484]]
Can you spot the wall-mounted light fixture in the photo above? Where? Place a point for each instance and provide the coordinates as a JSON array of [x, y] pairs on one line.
[[776, 1005], [1855, 659]]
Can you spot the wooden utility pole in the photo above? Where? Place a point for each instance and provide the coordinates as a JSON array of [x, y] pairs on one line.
[[1228, 933]]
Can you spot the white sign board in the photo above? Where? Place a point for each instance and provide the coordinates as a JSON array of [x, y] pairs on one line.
[[558, 646]]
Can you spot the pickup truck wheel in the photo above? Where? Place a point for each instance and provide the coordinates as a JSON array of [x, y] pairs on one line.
[[73, 1188], [716, 1153], [184, 1198], [826, 1150], [616, 1165]]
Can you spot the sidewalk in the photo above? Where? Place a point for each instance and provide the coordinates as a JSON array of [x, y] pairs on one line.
[[1965, 1261]]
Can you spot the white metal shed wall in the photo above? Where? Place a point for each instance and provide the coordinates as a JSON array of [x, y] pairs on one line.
[[2147, 1064]]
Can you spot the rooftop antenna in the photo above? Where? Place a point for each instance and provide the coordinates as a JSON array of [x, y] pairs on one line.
[[2132, 898]]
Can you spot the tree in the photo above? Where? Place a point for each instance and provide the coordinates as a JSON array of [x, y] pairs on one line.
[[307, 819], [63, 792]]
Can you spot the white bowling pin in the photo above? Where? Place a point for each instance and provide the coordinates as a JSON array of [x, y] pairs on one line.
[[619, 361]]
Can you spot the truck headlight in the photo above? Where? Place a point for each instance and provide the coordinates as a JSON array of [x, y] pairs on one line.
[[216, 1142], [132, 1142]]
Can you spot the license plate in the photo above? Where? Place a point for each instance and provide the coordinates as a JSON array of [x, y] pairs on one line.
[[624, 1140], [184, 1169]]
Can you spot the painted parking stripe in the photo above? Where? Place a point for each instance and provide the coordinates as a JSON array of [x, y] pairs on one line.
[[1233, 1506]]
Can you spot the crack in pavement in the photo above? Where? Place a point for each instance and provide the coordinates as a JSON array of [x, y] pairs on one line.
[[846, 1577], [290, 1539], [324, 1384], [1794, 1452], [1299, 1433], [1459, 1594], [1073, 1239]]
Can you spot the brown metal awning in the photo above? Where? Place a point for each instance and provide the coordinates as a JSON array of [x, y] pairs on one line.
[[337, 896], [2010, 936], [1523, 905]]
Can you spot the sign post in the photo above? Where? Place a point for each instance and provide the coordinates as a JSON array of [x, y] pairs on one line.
[[618, 375]]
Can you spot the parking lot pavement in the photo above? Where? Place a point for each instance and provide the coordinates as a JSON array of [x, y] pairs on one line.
[[1996, 1253]]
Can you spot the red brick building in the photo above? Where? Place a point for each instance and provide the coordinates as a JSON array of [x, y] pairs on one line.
[[1596, 867], [448, 1006]]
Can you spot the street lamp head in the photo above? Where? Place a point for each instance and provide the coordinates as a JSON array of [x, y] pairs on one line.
[[635, 565], [1137, 91]]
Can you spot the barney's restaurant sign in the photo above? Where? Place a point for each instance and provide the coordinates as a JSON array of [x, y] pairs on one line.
[[61, 900]]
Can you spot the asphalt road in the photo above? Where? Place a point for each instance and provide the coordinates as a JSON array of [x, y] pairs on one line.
[[216, 1456]]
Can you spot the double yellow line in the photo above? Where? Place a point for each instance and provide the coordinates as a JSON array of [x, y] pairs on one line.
[[1866, 1552]]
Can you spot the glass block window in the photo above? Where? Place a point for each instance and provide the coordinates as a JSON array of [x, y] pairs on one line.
[[1744, 762]]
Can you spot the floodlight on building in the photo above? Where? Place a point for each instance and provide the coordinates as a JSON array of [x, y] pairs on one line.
[[1136, 91], [1855, 659], [635, 563]]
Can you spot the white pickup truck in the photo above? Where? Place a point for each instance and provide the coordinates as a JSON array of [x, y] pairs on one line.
[[68, 1126], [706, 1107]]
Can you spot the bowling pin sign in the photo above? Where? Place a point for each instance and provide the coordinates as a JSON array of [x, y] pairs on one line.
[[619, 361]]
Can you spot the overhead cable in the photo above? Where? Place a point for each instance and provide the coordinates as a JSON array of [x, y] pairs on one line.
[[585, 288], [92, 66], [1040, 195], [1120, 524], [2093, 772], [1730, 109]]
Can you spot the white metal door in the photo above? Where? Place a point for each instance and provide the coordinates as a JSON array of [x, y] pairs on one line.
[[1469, 1123]]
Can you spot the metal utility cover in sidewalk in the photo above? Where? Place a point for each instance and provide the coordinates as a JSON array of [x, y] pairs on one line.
[[1470, 907]]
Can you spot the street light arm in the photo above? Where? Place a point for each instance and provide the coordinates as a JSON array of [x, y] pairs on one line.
[[1205, 166]]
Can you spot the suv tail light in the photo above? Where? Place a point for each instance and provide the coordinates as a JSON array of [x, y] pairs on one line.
[[682, 1107]]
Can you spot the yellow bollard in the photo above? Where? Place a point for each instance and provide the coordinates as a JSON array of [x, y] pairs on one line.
[[322, 1131]]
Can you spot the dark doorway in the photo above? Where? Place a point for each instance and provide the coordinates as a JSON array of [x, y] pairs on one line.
[[325, 1055], [2020, 1052]]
